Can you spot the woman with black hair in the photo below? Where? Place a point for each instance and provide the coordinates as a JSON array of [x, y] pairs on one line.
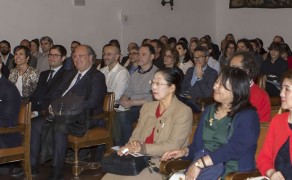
[[185, 61], [226, 137]]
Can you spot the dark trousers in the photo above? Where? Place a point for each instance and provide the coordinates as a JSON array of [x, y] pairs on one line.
[[126, 120]]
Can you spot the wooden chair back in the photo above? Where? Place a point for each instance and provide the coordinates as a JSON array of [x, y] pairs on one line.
[[94, 136], [22, 152]]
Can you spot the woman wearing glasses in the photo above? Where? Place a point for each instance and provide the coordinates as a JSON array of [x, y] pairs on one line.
[[163, 125], [226, 138], [171, 59], [23, 76]]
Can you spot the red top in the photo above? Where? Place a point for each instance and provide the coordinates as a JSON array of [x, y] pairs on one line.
[[259, 98], [289, 61], [276, 136], [150, 139]]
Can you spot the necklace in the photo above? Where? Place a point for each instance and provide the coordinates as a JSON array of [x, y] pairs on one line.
[[211, 120]]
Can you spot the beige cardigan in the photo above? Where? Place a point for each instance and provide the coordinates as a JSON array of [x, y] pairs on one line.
[[172, 129]]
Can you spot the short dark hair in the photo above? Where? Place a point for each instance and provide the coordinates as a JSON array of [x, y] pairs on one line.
[[6, 42], [150, 48], [249, 64], [246, 43], [115, 42], [26, 51], [37, 42], [203, 49], [275, 46], [61, 49], [286, 49], [76, 42], [240, 84], [171, 76], [47, 38], [171, 40]]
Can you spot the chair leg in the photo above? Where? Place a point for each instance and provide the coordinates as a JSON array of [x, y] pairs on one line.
[[27, 169], [76, 169]]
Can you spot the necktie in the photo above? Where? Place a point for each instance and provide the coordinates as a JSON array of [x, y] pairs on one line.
[[50, 77], [78, 78]]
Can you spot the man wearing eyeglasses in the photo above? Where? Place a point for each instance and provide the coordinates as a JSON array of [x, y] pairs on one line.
[[199, 80], [46, 44], [6, 57]]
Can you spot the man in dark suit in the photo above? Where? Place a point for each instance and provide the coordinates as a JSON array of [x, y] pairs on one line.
[[83, 81], [9, 110], [6, 57], [43, 95], [199, 80]]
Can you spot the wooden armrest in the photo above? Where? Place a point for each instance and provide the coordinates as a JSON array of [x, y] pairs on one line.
[[242, 175], [168, 167], [14, 129]]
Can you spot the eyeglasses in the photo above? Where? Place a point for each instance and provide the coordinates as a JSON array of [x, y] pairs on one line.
[[199, 58], [133, 53], [81, 56], [3, 47], [168, 56], [54, 55], [158, 84], [109, 54]]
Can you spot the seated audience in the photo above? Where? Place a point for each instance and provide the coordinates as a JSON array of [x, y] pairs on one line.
[[226, 137], [133, 58], [34, 49], [171, 59], [83, 81], [6, 56], [125, 61], [199, 80], [245, 45], [286, 54], [273, 68], [33, 60], [258, 97], [46, 43], [212, 63], [10, 107], [163, 125], [159, 49], [23, 76], [136, 94], [185, 61], [68, 63], [275, 157], [230, 48], [116, 76]]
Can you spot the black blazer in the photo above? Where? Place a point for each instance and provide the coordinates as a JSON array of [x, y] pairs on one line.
[[43, 94], [9, 109], [92, 87]]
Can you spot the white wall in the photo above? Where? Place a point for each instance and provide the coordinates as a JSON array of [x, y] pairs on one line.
[[99, 20], [252, 23]]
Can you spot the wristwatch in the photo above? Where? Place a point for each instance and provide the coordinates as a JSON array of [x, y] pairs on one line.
[[197, 164]]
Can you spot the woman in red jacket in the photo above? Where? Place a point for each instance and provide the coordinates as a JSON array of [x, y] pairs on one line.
[[275, 157]]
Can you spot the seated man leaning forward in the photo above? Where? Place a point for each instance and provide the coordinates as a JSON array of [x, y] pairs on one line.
[[226, 138], [163, 125], [199, 80], [136, 94]]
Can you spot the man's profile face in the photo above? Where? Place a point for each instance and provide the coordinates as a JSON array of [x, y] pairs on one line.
[[82, 60]]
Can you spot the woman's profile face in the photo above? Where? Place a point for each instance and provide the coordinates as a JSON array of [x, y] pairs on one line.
[[221, 94], [160, 87], [286, 94], [181, 51], [20, 57]]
